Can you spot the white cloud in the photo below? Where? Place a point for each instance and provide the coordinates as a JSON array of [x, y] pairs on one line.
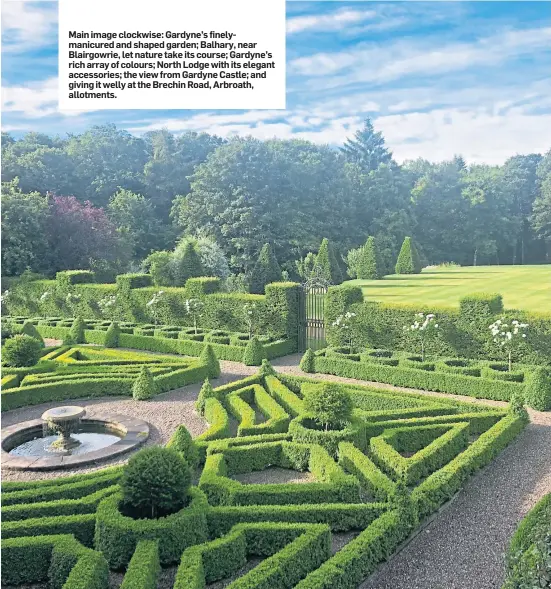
[[384, 63], [328, 22], [27, 26], [35, 99], [479, 135]]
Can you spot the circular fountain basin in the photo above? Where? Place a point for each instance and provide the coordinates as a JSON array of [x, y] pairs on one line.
[[101, 437]]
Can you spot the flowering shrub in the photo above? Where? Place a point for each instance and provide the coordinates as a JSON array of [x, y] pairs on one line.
[[155, 303], [425, 327], [194, 308], [508, 335], [252, 316], [107, 304], [344, 324], [4, 298], [73, 299]]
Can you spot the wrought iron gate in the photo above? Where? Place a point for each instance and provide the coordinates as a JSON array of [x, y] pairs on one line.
[[312, 313]]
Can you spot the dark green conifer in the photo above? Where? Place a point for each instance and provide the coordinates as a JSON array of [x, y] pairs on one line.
[[409, 261], [265, 271], [369, 264]]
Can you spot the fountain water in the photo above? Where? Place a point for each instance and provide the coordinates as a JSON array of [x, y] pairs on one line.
[[66, 437], [64, 421]]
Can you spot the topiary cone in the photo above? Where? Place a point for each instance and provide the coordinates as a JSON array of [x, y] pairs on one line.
[[144, 387], [254, 352], [112, 336], [307, 361], [76, 334], [205, 393], [266, 369], [408, 261], [182, 442], [209, 358]]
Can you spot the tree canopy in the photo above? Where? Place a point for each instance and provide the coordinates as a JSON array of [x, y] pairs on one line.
[[144, 194]]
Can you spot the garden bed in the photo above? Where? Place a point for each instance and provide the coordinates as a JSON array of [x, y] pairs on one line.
[[479, 379]]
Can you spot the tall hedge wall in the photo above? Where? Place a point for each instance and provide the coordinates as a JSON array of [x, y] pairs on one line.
[[462, 332], [277, 309]]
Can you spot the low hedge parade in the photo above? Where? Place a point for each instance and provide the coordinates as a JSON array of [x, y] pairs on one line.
[[393, 463], [170, 339], [479, 379]]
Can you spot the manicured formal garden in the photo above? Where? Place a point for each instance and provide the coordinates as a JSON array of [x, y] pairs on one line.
[[296, 482], [474, 378], [134, 302], [380, 462]]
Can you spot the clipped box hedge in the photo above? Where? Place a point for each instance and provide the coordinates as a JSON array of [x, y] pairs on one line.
[[462, 332], [278, 309], [227, 522], [117, 535], [58, 559], [445, 382], [293, 550]]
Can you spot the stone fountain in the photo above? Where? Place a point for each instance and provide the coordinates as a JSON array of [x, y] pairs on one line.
[[64, 421]]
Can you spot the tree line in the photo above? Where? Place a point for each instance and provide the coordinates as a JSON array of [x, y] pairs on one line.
[[105, 200]]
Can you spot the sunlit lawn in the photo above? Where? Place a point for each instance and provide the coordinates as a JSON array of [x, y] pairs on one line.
[[522, 287]]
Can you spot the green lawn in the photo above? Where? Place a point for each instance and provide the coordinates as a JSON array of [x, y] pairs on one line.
[[522, 287]]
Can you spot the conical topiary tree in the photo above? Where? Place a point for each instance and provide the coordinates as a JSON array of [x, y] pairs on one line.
[[254, 352], [30, 330], [307, 361], [266, 369], [369, 263], [327, 266], [265, 270], [205, 393], [182, 442], [408, 261], [112, 336], [188, 265], [209, 358], [76, 334], [144, 387]]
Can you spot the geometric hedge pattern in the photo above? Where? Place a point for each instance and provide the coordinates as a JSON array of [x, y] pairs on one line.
[[400, 459], [70, 372]]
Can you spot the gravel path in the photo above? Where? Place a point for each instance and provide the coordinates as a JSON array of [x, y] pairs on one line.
[[164, 414], [461, 548], [274, 474], [464, 545]]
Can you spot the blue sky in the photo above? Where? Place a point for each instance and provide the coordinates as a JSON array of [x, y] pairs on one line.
[[437, 78]]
